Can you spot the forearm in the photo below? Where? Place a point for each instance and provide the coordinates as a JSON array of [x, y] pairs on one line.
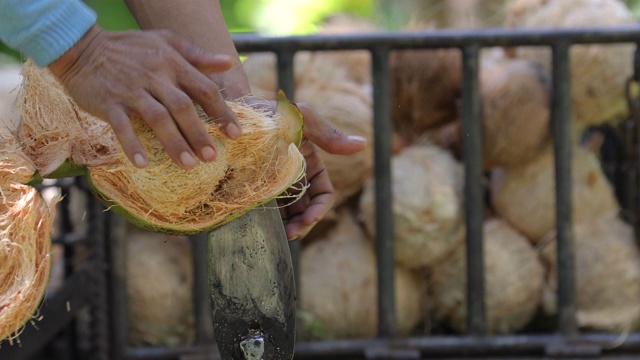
[[201, 22]]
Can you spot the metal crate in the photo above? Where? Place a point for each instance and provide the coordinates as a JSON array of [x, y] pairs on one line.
[[100, 286]]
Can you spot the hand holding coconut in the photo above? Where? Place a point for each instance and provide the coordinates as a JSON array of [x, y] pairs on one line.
[[156, 75]]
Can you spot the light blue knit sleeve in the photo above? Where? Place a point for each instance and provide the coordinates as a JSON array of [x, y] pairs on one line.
[[43, 30]]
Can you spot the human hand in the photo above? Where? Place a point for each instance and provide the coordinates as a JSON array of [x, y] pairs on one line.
[[157, 76], [302, 215]]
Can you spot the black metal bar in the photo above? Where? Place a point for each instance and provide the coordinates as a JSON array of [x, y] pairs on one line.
[[440, 39], [98, 237], [561, 118], [118, 287], [474, 194], [201, 307], [382, 169]]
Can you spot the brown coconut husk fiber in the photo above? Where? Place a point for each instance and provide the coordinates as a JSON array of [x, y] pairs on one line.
[[25, 228], [514, 278], [348, 107], [607, 274], [159, 289], [599, 72], [248, 171], [525, 195], [428, 213], [339, 287]]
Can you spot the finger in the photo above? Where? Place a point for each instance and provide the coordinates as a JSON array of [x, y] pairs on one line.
[[327, 136], [201, 59], [126, 135], [206, 93], [165, 129], [186, 117]]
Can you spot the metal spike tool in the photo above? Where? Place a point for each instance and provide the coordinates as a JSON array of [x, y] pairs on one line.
[[252, 287]]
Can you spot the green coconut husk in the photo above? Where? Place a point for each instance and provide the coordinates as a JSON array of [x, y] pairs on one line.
[[252, 170], [26, 222]]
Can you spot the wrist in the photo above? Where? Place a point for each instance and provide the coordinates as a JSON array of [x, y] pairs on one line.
[[64, 63]]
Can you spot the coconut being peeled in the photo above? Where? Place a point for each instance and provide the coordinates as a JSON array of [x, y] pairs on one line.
[[159, 289], [599, 72], [338, 282], [428, 210], [524, 195], [607, 275], [63, 140], [26, 222], [347, 107], [514, 278]]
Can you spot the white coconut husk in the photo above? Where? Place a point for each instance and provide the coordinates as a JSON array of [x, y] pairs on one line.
[[599, 72], [525, 195], [159, 290], [514, 278], [349, 108], [428, 212], [25, 241], [607, 275], [248, 171], [10, 80], [425, 88], [516, 110], [339, 286]]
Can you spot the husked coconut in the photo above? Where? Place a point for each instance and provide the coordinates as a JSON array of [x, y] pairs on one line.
[[159, 290], [338, 282], [349, 108], [10, 80], [515, 102], [425, 88], [525, 195], [428, 212], [599, 72], [607, 275], [514, 278]]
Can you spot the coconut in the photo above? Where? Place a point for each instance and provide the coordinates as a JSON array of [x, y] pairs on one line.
[[349, 108], [514, 278], [607, 275], [25, 243], [525, 195], [425, 87], [428, 212], [599, 72], [248, 171], [159, 290], [339, 286], [515, 99]]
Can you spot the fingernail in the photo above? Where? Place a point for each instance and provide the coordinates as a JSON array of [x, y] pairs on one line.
[[208, 153], [233, 131], [357, 138], [139, 160], [187, 160]]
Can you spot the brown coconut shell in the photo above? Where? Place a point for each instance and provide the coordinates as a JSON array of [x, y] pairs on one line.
[[348, 107], [514, 278], [599, 72], [26, 222], [425, 87], [339, 287], [428, 213], [248, 171], [607, 275], [516, 110], [525, 195], [159, 290]]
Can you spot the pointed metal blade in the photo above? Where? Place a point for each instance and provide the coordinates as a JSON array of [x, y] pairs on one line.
[[252, 287]]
